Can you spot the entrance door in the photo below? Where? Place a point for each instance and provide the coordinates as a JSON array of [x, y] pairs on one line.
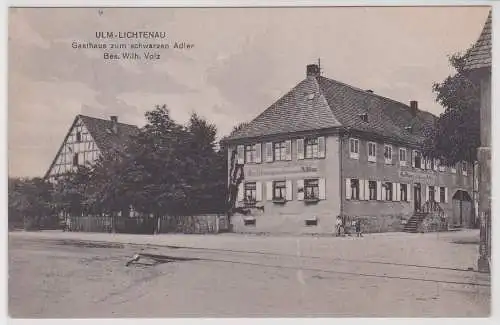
[[417, 197]]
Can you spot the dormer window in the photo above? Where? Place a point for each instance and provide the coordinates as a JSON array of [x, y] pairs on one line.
[[363, 117], [310, 96]]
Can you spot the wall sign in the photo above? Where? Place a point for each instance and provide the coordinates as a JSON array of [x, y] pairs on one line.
[[272, 171], [416, 176]]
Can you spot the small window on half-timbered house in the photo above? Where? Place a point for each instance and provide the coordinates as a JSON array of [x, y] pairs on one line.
[[354, 148], [78, 136], [75, 159], [250, 153]]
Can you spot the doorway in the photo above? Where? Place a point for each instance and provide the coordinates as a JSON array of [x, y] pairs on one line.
[[417, 197], [462, 209]]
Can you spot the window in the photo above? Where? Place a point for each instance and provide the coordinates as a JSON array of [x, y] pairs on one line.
[[78, 136], [417, 158], [372, 187], [388, 191], [311, 189], [464, 168], [250, 153], [403, 189], [388, 154], [250, 192], [432, 193], [279, 191], [280, 151], [311, 148], [75, 159], [355, 189], [453, 169], [372, 151], [442, 194], [402, 156], [354, 148]]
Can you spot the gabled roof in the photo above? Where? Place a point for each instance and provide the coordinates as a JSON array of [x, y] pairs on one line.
[[100, 130], [480, 55], [337, 105]]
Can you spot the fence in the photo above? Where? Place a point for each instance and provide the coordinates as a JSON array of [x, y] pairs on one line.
[[198, 224]]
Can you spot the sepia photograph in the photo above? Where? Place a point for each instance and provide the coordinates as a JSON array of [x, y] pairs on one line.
[[249, 162]]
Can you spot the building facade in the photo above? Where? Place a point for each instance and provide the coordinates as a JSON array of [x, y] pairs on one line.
[[478, 65], [87, 139], [327, 149]]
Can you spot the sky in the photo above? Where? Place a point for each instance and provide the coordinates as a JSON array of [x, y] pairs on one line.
[[242, 61]]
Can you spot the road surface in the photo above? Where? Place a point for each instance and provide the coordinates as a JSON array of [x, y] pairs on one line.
[[80, 275]]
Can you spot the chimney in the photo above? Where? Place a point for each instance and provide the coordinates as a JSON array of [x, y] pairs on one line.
[[312, 70], [114, 128], [414, 107], [369, 91]]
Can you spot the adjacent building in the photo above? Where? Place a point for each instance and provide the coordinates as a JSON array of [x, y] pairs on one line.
[[327, 148], [86, 140], [479, 66]]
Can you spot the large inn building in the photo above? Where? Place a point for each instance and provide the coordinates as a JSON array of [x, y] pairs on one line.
[[327, 148]]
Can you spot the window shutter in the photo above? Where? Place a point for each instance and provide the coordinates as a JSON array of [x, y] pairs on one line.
[[426, 193], [258, 191], [445, 195], [348, 188], [361, 184], [289, 193], [379, 190], [300, 189], [384, 192], [269, 191], [397, 195], [258, 153], [409, 189], [322, 189], [269, 152], [300, 148], [240, 154], [241, 192], [367, 189], [436, 164], [321, 147], [288, 149], [413, 154], [437, 192]]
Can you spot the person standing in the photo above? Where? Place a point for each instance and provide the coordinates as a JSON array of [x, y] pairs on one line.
[[338, 226], [358, 227]]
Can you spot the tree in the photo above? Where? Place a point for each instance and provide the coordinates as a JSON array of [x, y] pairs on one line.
[[30, 199], [456, 136]]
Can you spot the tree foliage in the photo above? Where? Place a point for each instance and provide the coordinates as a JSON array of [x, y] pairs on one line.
[[456, 135]]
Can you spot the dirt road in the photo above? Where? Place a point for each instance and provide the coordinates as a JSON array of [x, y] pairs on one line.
[[65, 275]]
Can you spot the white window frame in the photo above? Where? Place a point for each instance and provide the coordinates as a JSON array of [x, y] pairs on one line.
[[464, 170], [354, 155], [372, 158], [403, 162], [388, 161]]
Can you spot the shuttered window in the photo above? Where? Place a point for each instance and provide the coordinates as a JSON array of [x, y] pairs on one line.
[[280, 151], [372, 188], [388, 154], [402, 156], [372, 151], [354, 148], [403, 188], [387, 195], [279, 190], [442, 194], [312, 148], [354, 189], [311, 189]]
